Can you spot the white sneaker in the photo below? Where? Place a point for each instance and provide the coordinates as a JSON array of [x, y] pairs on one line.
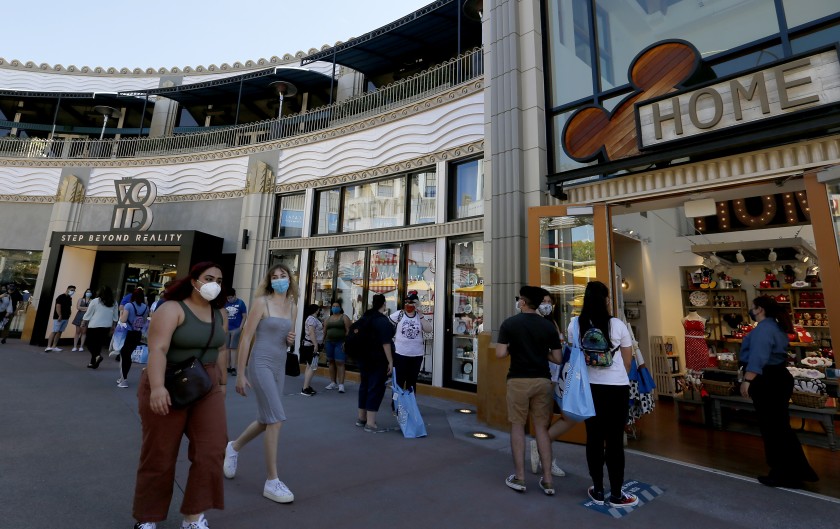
[[277, 491], [534, 455], [74, 349], [145, 525], [332, 385], [231, 457], [57, 349], [48, 349], [122, 383], [120, 380], [200, 524], [341, 388], [555, 470]]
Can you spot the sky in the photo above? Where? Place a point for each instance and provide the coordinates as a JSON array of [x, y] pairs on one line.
[[169, 33]]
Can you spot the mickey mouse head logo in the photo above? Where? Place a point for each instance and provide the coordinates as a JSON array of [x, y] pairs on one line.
[[593, 132]]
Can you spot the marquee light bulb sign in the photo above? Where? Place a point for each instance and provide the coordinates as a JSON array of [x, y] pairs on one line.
[[736, 214]]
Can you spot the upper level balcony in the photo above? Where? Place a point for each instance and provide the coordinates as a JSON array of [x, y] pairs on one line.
[[450, 74]]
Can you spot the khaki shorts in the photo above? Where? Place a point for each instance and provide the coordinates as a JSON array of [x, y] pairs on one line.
[[529, 394]]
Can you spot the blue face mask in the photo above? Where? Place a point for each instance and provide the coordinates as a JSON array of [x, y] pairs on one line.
[[336, 310], [280, 285]]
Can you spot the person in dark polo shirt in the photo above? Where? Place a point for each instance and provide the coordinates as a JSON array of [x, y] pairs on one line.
[[61, 315], [531, 341]]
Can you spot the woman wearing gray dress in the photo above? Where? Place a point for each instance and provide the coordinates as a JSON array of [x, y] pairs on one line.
[[270, 322]]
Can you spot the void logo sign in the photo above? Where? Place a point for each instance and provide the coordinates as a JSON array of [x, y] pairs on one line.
[[132, 212]]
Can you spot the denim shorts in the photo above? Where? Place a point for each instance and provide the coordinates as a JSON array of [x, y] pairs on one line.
[[59, 325], [335, 351]]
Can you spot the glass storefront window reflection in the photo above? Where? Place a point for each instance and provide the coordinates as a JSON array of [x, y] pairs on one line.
[[290, 215], [798, 12], [350, 282], [467, 189], [384, 276], [571, 74], [321, 285], [834, 209], [421, 278], [423, 198], [567, 262], [374, 205], [467, 280], [329, 203]]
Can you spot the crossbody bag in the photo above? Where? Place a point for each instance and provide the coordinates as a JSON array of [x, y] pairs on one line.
[[189, 381]]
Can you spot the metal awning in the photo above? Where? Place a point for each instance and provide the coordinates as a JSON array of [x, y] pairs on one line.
[[426, 37], [255, 85]]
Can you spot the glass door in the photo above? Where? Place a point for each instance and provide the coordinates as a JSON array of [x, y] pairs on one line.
[[466, 307], [568, 246]]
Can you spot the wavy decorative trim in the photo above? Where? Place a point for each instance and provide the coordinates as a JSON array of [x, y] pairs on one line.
[[742, 168], [385, 170], [29, 198], [413, 233], [459, 92], [163, 199], [100, 71]]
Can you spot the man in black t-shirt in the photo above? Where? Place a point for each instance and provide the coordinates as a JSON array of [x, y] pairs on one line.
[[531, 341], [61, 315]]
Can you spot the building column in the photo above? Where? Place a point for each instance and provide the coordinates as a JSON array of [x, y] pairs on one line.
[[65, 216], [257, 211], [515, 133]]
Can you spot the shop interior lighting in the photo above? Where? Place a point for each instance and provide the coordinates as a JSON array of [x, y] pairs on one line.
[[714, 259], [803, 257], [740, 257], [772, 256], [625, 284]]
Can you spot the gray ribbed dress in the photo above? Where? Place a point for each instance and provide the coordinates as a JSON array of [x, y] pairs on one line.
[[267, 368]]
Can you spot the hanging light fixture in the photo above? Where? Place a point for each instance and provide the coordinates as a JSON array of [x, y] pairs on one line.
[[801, 256], [772, 256], [624, 284], [740, 257], [714, 259]]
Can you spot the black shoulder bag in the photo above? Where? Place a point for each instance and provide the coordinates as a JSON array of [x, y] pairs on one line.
[[188, 381]]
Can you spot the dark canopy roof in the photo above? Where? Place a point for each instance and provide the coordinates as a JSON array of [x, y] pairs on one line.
[[255, 85], [429, 35]]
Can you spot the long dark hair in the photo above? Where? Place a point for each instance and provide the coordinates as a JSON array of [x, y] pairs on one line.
[[106, 296], [182, 288], [311, 309], [775, 311], [594, 312]]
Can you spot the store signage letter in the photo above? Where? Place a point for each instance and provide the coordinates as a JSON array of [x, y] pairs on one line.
[[132, 212]]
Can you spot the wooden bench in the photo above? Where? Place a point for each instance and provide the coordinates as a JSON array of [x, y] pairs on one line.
[[825, 416]]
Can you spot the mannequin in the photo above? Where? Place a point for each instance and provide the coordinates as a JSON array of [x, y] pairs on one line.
[[696, 349]]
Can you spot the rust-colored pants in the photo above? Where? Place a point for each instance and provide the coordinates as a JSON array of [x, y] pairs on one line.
[[205, 426]]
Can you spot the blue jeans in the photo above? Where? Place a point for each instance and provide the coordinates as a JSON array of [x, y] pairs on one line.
[[372, 385]]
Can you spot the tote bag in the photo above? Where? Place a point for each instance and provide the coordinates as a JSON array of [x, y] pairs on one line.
[[573, 394], [408, 414]]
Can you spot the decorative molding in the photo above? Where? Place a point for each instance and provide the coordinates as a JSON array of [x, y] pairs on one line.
[[100, 71], [731, 170], [193, 197], [385, 170], [71, 189], [29, 199], [260, 179], [459, 92], [412, 233]]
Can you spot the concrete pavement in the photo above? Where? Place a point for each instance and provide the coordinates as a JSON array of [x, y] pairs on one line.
[[69, 440]]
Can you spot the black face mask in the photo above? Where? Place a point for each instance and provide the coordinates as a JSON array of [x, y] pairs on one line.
[[752, 315]]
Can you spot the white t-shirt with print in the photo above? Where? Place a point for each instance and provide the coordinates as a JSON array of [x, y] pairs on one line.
[[615, 375], [408, 340]]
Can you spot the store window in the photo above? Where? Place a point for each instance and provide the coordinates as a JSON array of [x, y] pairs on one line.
[[290, 215], [834, 208], [384, 276], [329, 206], [814, 39], [567, 262], [423, 198], [350, 282], [374, 205], [467, 309], [798, 12], [321, 284], [421, 278], [466, 186]]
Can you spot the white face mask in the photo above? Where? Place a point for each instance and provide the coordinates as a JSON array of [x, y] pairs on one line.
[[546, 308], [209, 291], [516, 307]]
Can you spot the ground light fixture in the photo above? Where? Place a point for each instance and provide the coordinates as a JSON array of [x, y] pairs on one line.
[[465, 411], [482, 435]]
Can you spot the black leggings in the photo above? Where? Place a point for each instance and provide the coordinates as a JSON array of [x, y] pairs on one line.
[[97, 337], [132, 340], [407, 368], [605, 435]]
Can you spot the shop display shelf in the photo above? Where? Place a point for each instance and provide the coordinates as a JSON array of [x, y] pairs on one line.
[[797, 307]]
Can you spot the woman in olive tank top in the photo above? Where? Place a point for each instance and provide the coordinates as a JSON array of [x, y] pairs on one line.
[[337, 326]]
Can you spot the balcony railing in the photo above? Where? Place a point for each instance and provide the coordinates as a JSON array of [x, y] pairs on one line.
[[461, 69]]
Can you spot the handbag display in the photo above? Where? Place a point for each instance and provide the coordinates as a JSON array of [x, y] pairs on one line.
[[292, 364], [188, 381]]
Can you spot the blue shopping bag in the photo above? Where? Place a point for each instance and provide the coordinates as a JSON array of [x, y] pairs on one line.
[[572, 392], [408, 414], [646, 383], [140, 355], [117, 341]]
